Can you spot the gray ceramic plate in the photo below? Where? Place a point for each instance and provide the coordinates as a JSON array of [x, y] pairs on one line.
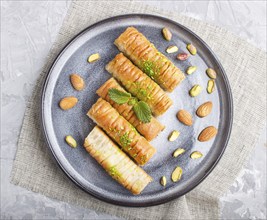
[[80, 166]]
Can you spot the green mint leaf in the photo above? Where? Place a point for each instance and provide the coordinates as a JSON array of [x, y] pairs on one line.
[[118, 96], [142, 111]]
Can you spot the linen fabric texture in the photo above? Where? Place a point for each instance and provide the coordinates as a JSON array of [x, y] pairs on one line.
[[245, 66]]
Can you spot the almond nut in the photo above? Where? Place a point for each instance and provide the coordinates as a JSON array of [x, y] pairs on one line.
[[182, 56], [211, 86], [172, 49], [207, 134], [77, 81], [93, 58], [68, 102], [204, 109], [211, 73], [185, 117], [191, 48], [166, 34]]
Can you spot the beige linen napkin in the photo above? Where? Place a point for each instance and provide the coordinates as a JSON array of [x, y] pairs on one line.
[[245, 66]]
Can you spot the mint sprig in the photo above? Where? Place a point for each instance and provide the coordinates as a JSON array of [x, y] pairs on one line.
[[118, 96], [140, 108], [142, 111]]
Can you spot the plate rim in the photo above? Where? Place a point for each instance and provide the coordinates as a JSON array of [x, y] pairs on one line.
[[114, 201]]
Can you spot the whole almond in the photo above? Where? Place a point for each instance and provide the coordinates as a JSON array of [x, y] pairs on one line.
[[68, 102], [207, 133], [204, 109], [77, 81], [185, 117]]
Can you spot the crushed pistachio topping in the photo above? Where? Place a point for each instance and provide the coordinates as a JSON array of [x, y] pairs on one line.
[[149, 68], [125, 140], [132, 101], [144, 158], [113, 172], [134, 129], [139, 91]]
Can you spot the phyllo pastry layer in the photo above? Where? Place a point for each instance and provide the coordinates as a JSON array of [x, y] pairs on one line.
[[115, 162], [146, 56], [139, 84], [119, 129], [148, 130]]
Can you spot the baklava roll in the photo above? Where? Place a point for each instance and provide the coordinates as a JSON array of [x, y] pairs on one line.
[[116, 162], [148, 130], [139, 84], [144, 54], [119, 129]]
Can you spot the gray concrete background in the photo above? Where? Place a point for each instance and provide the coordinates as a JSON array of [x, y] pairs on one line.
[[28, 29]]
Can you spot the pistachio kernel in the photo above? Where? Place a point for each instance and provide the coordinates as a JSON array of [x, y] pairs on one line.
[[174, 135], [71, 141], [93, 58], [211, 73], [196, 155], [195, 90], [172, 49], [191, 48], [182, 56], [191, 69], [177, 174], [163, 181], [178, 152], [211, 86], [166, 34]]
